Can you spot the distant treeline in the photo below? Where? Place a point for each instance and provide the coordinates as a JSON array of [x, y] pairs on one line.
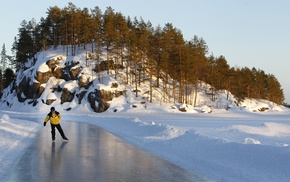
[[161, 50]]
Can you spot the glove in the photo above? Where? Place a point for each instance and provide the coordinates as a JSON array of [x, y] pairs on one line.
[[44, 123]]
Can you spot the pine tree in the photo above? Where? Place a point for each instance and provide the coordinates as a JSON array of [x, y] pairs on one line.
[[179, 54], [71, 26], [4, 58], [260, 83], [143, 33], [44, 34], [33, 33], [198, 50], [122, 35], [54, 21], [167, 60], [274, 91], [85, 35], [96, 32], [109, 30], [222, 69], [156, 51], [24, 45], [96, 28]]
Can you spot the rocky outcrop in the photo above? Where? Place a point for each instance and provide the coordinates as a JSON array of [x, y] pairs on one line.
[[28, 88], [97, 100], [31, 86]]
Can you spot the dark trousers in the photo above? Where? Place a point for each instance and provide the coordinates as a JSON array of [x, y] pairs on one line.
[[53, 126]]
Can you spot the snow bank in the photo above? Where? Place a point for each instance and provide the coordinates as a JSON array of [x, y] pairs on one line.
[[15, 136]]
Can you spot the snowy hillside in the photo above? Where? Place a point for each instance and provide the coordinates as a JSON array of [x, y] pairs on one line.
[[80, 80]]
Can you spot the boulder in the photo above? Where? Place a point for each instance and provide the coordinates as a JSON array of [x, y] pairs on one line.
[[114, 85], [52, 64], [28, 88], [84, 83], [98, 100], [43, 77], [66, 96], [49, 101], [80, 96], [183, 108], [74, 72], [58, 73]]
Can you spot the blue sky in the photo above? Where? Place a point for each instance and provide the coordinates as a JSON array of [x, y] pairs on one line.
[[248, 33]]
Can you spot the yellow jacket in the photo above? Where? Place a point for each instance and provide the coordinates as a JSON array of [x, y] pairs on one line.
[[54, 117]]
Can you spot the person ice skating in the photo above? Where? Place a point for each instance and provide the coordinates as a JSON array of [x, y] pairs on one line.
[[54, 118]]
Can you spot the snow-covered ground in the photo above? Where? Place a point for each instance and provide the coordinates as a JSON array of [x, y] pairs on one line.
[[233, 145]]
